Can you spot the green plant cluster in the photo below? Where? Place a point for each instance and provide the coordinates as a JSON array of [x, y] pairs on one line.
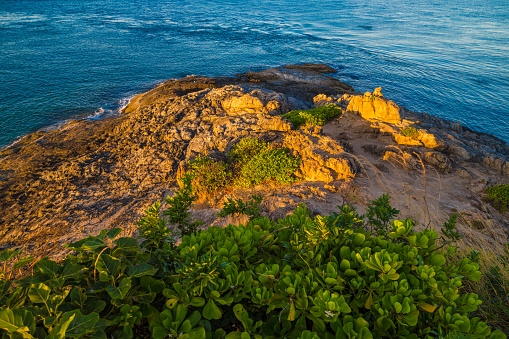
[[315, 116], [298, 277], [250, 162], [498, 196], [209, 175], [250, 208]]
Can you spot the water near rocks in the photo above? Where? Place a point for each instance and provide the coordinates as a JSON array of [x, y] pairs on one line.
[[69, 59]]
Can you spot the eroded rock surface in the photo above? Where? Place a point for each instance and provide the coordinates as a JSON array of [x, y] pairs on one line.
[[65, 184]]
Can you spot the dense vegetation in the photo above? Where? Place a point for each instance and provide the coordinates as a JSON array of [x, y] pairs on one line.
[[337, 276], [315, 116], [250, 162]]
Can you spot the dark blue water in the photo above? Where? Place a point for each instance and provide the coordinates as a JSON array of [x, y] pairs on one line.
[[63, 59]]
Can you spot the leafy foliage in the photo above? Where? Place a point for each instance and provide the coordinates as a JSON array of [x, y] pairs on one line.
[[178, 210], [315, 116], [274, 164], [380, 213], [252, 162], [256, 162], [298, 277], [208, 175], [498, 196], [250, 208]]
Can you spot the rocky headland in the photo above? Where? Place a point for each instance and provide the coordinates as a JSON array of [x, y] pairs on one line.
[[65, 184]]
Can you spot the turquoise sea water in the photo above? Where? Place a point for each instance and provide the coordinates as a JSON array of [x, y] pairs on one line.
[[71, 59]]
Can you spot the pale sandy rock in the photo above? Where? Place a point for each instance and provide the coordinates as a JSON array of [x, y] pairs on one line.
[[235, 100], [322, 158], [339, 100], [376, 107], [404, 140]]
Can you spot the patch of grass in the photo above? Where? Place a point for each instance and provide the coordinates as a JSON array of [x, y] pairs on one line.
[[410, 132], [498, 196], [315, 116]]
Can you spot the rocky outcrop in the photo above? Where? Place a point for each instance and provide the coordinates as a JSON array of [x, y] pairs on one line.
[[375, 106], [65, 184]]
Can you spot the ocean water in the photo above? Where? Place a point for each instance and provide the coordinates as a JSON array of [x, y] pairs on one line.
[[67, 59]]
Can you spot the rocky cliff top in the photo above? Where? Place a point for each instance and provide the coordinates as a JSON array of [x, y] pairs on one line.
[[62, 185]]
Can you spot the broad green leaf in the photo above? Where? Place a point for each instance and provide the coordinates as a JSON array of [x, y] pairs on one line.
[[5, 286], [234, 335], [98, 335], [13, 320], [95, 306], [141, 270], [238, 309], [49, 321], [211, 311], [197, 333], [113, 233], [197, 301], [80, 324], [144, 297], [186, 326], [8, 254], [121, 291], [159, 332], [291, 314], [22, 262], [58, 332], [127, 244], [437, 260], [47, 266], [18, 297], [108, 267], [39, 294], [428, 308], [78, 296], [71, 271], [92, 244], [369, 301]]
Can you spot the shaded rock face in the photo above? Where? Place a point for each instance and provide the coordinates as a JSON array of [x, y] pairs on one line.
[[59, 186]]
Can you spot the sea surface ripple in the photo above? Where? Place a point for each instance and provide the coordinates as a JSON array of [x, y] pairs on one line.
[[70, 59]]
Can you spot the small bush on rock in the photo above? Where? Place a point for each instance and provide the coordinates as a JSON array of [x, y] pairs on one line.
[[315, 116], [208, 175], [498, 196], [252, 162]]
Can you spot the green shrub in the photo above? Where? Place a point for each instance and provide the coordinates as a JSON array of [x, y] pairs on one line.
[[274, 164], [410, 132], [252, 162], [498, 196], [297, 277], [248, 148], [208, 175], [250, 208], [315, 116]]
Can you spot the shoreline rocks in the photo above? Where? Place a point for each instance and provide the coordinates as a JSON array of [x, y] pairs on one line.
[[62, 185]]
